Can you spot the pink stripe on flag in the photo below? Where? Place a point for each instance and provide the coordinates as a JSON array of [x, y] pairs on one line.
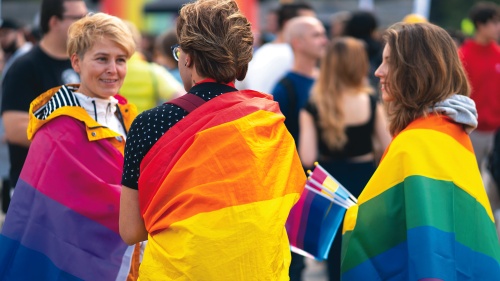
[[319, 176], [86, 180]]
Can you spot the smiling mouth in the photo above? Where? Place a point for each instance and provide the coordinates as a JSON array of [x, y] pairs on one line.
[[109, 80]]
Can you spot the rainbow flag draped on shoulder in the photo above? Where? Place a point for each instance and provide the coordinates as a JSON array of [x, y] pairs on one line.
[[215, 192], [424, 215], [62, 223]]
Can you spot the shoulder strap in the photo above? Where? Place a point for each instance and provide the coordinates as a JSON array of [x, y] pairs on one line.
[[188, 102], [292, 97]]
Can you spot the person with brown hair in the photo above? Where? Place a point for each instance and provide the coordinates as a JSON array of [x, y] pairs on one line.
[[424, 214], [340, 121], [210, 177]]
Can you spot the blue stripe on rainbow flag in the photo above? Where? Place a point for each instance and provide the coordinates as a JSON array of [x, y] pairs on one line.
[[394, 264], [44, 226]]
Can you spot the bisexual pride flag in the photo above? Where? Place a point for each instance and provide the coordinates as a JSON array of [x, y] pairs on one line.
[[62, 223], [315, 219]]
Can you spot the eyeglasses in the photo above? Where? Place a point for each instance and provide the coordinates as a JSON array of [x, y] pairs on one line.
[[176, 52]]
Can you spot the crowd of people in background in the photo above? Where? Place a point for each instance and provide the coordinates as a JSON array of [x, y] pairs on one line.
[[344, 94]]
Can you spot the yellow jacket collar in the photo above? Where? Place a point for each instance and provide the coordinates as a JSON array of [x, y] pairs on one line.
[[40, 114]]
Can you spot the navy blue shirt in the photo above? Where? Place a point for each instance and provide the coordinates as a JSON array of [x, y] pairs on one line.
[[302, 87]]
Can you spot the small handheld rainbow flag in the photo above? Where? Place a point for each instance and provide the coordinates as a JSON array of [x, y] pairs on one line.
[[315, 219]]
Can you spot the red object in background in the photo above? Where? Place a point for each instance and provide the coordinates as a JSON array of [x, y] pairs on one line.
[[113, 7], [250, 8]]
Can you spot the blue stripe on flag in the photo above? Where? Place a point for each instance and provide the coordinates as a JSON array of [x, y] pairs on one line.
[[434, 254], [20, 263]]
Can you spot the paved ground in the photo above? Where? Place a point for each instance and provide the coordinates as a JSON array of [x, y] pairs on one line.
[[315, 271]]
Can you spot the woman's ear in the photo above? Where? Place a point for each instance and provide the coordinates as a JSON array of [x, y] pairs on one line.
[[75, 63], [53, 21]]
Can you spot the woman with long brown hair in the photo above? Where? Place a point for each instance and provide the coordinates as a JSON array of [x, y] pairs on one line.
[[424, 215], [340, 121]]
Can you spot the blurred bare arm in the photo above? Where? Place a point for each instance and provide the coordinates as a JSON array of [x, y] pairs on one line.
[[308, 142], [16, 126]]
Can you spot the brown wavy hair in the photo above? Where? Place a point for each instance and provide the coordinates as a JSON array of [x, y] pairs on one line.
[[424, 68], [344, 69], [218, 37]]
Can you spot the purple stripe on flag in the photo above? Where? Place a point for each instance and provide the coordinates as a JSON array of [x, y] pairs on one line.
[[293, 221], [304, 218], [74, 243]]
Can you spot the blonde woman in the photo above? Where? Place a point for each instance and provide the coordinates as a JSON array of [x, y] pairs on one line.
[[62, 223], [340, 121]]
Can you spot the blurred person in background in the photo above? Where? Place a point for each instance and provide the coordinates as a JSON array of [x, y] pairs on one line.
[[45, 66], [481, 59], [424, 214], [338, 22], [13, 46], [340, 122], [363, 25], [4, 158], [62, 223], [13, 42], [147, 84], [147, 45], [210, 178], [163, 53], [268, 34], [458, 36], [271, 61], [307, 38]]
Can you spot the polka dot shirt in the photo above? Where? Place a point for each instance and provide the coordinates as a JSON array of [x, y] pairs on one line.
[[151, 125]]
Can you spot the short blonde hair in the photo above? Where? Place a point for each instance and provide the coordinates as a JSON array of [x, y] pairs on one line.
[[83, 33]]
